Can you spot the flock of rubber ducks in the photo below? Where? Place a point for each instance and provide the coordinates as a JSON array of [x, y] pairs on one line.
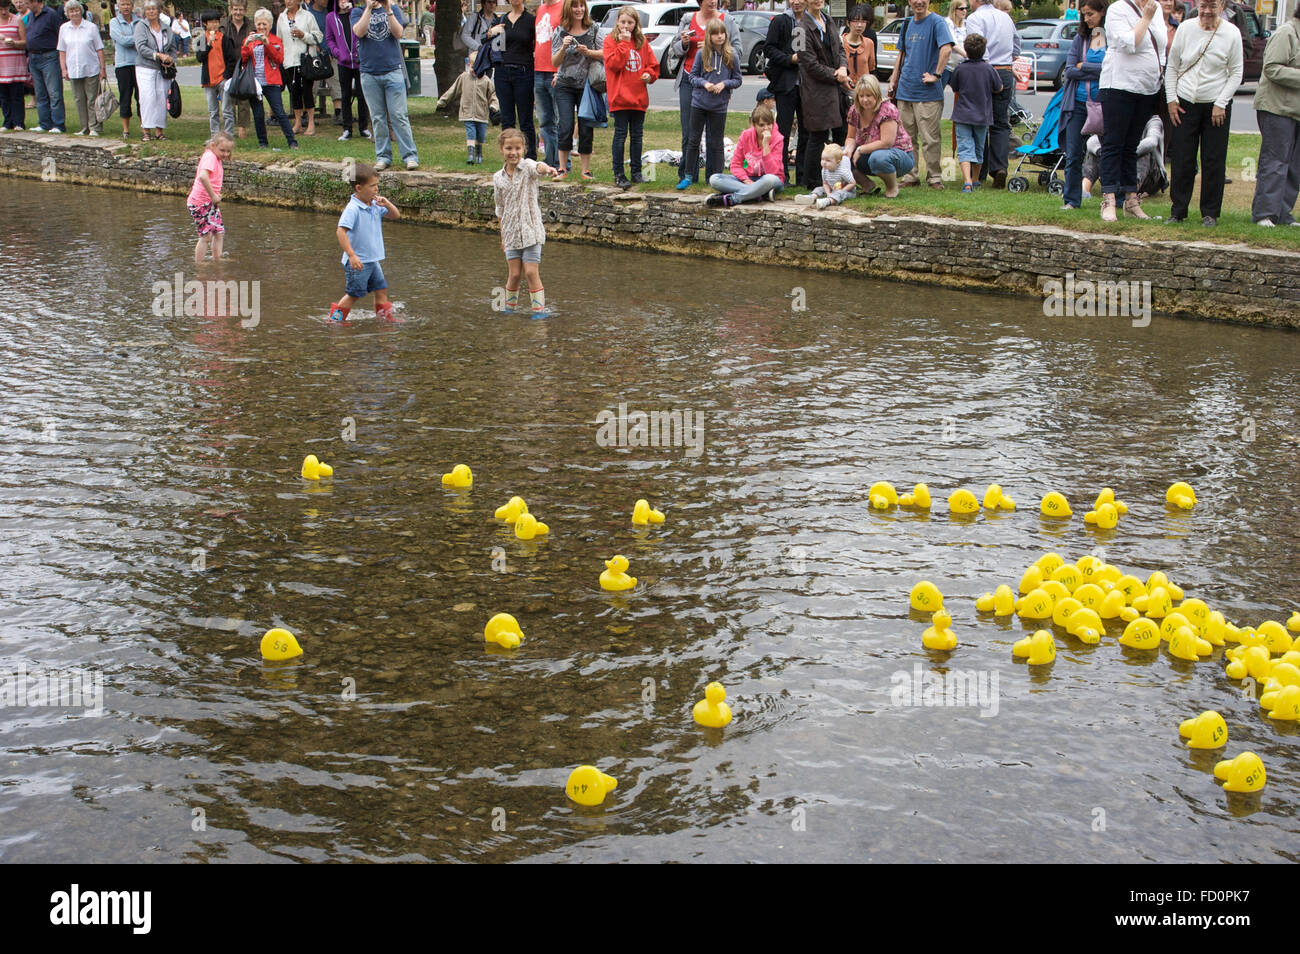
[[1080, 597], [586, 784], [1104, 515]]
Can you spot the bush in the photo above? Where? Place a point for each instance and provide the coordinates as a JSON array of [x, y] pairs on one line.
[[1044, 10]]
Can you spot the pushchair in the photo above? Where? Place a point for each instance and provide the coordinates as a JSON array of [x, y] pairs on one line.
[[1044, 153], [1023, 123]]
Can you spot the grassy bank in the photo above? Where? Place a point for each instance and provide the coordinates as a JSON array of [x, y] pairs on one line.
[[441, 143]]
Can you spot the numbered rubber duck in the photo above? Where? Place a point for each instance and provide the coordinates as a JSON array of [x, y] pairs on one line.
[[1184, 644], [313, 469], [882, 495], [1197, 614], [1171, 624], [615, 575], [1181, 495], [1085, 625], [1063, 609], [919, 498], [1156, 603], [1089, 566], [1056, 590], [1131, 586], [1039, 649], [1054, 504], [1276, 638], [1036, 604], [279, 645], [1158, 578], [1048, 563], [926, 598], [503, 629], [528, 526], [588, 785], [510, 511], [1141, 633], [1245, 773], [1206, 731], [939, 636], [1112, 605], [1282, 674], [963, 502], [712, 711], [1216, 628], [643, 513], [1107, 496], [1252, 661], [461, 477], [1282, 704], [1090, 595], [1067, 574], [1031, 579], [1104, 517]]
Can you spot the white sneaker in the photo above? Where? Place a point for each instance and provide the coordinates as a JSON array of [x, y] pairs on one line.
[[1266, 223], [347, 134], [79, 132], [412, 164], [57, 132], [806, 199], [93, 134], [382, 164], [40, 129], [823, 203]]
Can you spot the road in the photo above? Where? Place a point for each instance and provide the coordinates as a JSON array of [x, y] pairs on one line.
[[663, 96]]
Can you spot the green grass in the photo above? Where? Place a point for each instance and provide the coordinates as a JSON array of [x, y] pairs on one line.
[[441, 143]]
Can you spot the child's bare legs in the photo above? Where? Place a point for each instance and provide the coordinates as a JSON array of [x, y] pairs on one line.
[[516, 267], [201, 249], [534, 276], [218, 240], [347, 301]]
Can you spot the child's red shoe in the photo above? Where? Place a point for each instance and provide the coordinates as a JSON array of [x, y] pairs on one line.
[[385, 313], [338, 313]]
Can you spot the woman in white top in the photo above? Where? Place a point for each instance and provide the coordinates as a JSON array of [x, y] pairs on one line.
[[1130, 83], [81, 57], [298, 31], [1202, 75]]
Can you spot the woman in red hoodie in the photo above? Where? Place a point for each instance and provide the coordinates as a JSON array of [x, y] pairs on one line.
[[266, 52], [630, 65], [757, 170]]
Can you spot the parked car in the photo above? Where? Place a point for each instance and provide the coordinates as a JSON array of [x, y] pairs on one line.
[[752, 25], [659, 23], [1049, 42], [1253, 39], [887, 48], [598, 11]]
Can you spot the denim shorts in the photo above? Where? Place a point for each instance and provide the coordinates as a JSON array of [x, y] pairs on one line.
[[362, 283], [970, 142], [533, 253]]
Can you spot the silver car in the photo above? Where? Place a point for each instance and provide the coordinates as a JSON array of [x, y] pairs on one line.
[[887, 48], [659, 23], [752, 26]]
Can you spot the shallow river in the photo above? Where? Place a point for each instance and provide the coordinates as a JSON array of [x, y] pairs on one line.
[[153, 525]]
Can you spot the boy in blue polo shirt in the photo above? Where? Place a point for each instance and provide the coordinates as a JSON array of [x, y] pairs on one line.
[[361, 237]]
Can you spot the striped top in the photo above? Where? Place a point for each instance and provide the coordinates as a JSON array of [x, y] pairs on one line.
[[13, 63]]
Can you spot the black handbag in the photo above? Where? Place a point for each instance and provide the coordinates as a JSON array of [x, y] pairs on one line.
[[243, 85], [315, 65], [174, 100]]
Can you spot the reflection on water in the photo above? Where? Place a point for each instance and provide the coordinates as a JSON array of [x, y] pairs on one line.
[[155, 525]]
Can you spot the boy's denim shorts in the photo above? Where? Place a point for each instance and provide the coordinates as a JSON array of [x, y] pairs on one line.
[[361, 283]]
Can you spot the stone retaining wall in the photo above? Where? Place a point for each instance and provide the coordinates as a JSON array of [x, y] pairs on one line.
[[1196, 279]]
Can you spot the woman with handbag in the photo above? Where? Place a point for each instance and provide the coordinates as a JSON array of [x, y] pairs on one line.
[[514, 77], [1080, 99], [577, 57], [298, 31], [342, 43], [822, 73], [1131, 75], [474, 31], [1202, 76], [264, 52], [156, 50]]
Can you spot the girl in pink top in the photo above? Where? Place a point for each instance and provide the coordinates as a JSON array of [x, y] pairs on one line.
[[757, 170], [204, 201]]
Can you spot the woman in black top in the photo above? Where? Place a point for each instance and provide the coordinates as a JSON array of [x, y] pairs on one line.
[[513, 35]]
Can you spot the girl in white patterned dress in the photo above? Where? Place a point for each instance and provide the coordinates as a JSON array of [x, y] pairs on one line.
[[522, 234]]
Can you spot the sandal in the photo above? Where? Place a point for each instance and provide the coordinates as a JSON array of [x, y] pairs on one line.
[[588, 177], [160, 136], [560, 176], [144, 138]]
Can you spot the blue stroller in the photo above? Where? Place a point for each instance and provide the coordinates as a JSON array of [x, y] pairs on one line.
[[1045, 153]]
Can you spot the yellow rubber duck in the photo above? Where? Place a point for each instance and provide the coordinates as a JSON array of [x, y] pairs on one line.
[[1036, 604], [1107, 496], [510, 511], [712, 711], [963, 501], [1062, 610], [312, 469], [1245, 773], [615, 575], [1282, 674], [503, 629], [1108, 575], [882, 495], [1181, 495], [1104, 517], [460, 477], [528, 526], [1006, 503], [1054, 504], [1089, 566], [1039, 649], [1198, 615], [1251, 661], [1032, 578], [1067, 574], [1156, 604], [1090, 595], [1215, 628], [1293, 622], [1128, 614], [939, 636], [1004, 601], [1206, 731], [1185, 644], [1048, 562], [984, 603], [926, 597], [588, 785], [1171, 623], [1141, 633], [1055, 589], [918, 498], [1282, 704], [1276, 638], [1112, 605], [279, 645], [643, 513], [1131, 586], [992, 497], [1085, 625]]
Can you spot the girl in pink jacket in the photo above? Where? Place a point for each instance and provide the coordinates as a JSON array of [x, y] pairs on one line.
[[757, 171]]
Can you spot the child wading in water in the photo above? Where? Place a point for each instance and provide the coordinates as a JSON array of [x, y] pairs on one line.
[[361, 237], [478, 100], [204, 201], [522, 234]]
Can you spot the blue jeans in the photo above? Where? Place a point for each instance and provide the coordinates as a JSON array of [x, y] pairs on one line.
[[475, 131], [543, 95], [970, 142], [566, 105], [47, 80], [1074, 144], [514, 85], [739, 191], [885, 162], [386, 96], [714, 160], [272, 96]]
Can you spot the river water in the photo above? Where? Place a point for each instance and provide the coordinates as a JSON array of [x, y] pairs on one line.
[[153, 525]]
